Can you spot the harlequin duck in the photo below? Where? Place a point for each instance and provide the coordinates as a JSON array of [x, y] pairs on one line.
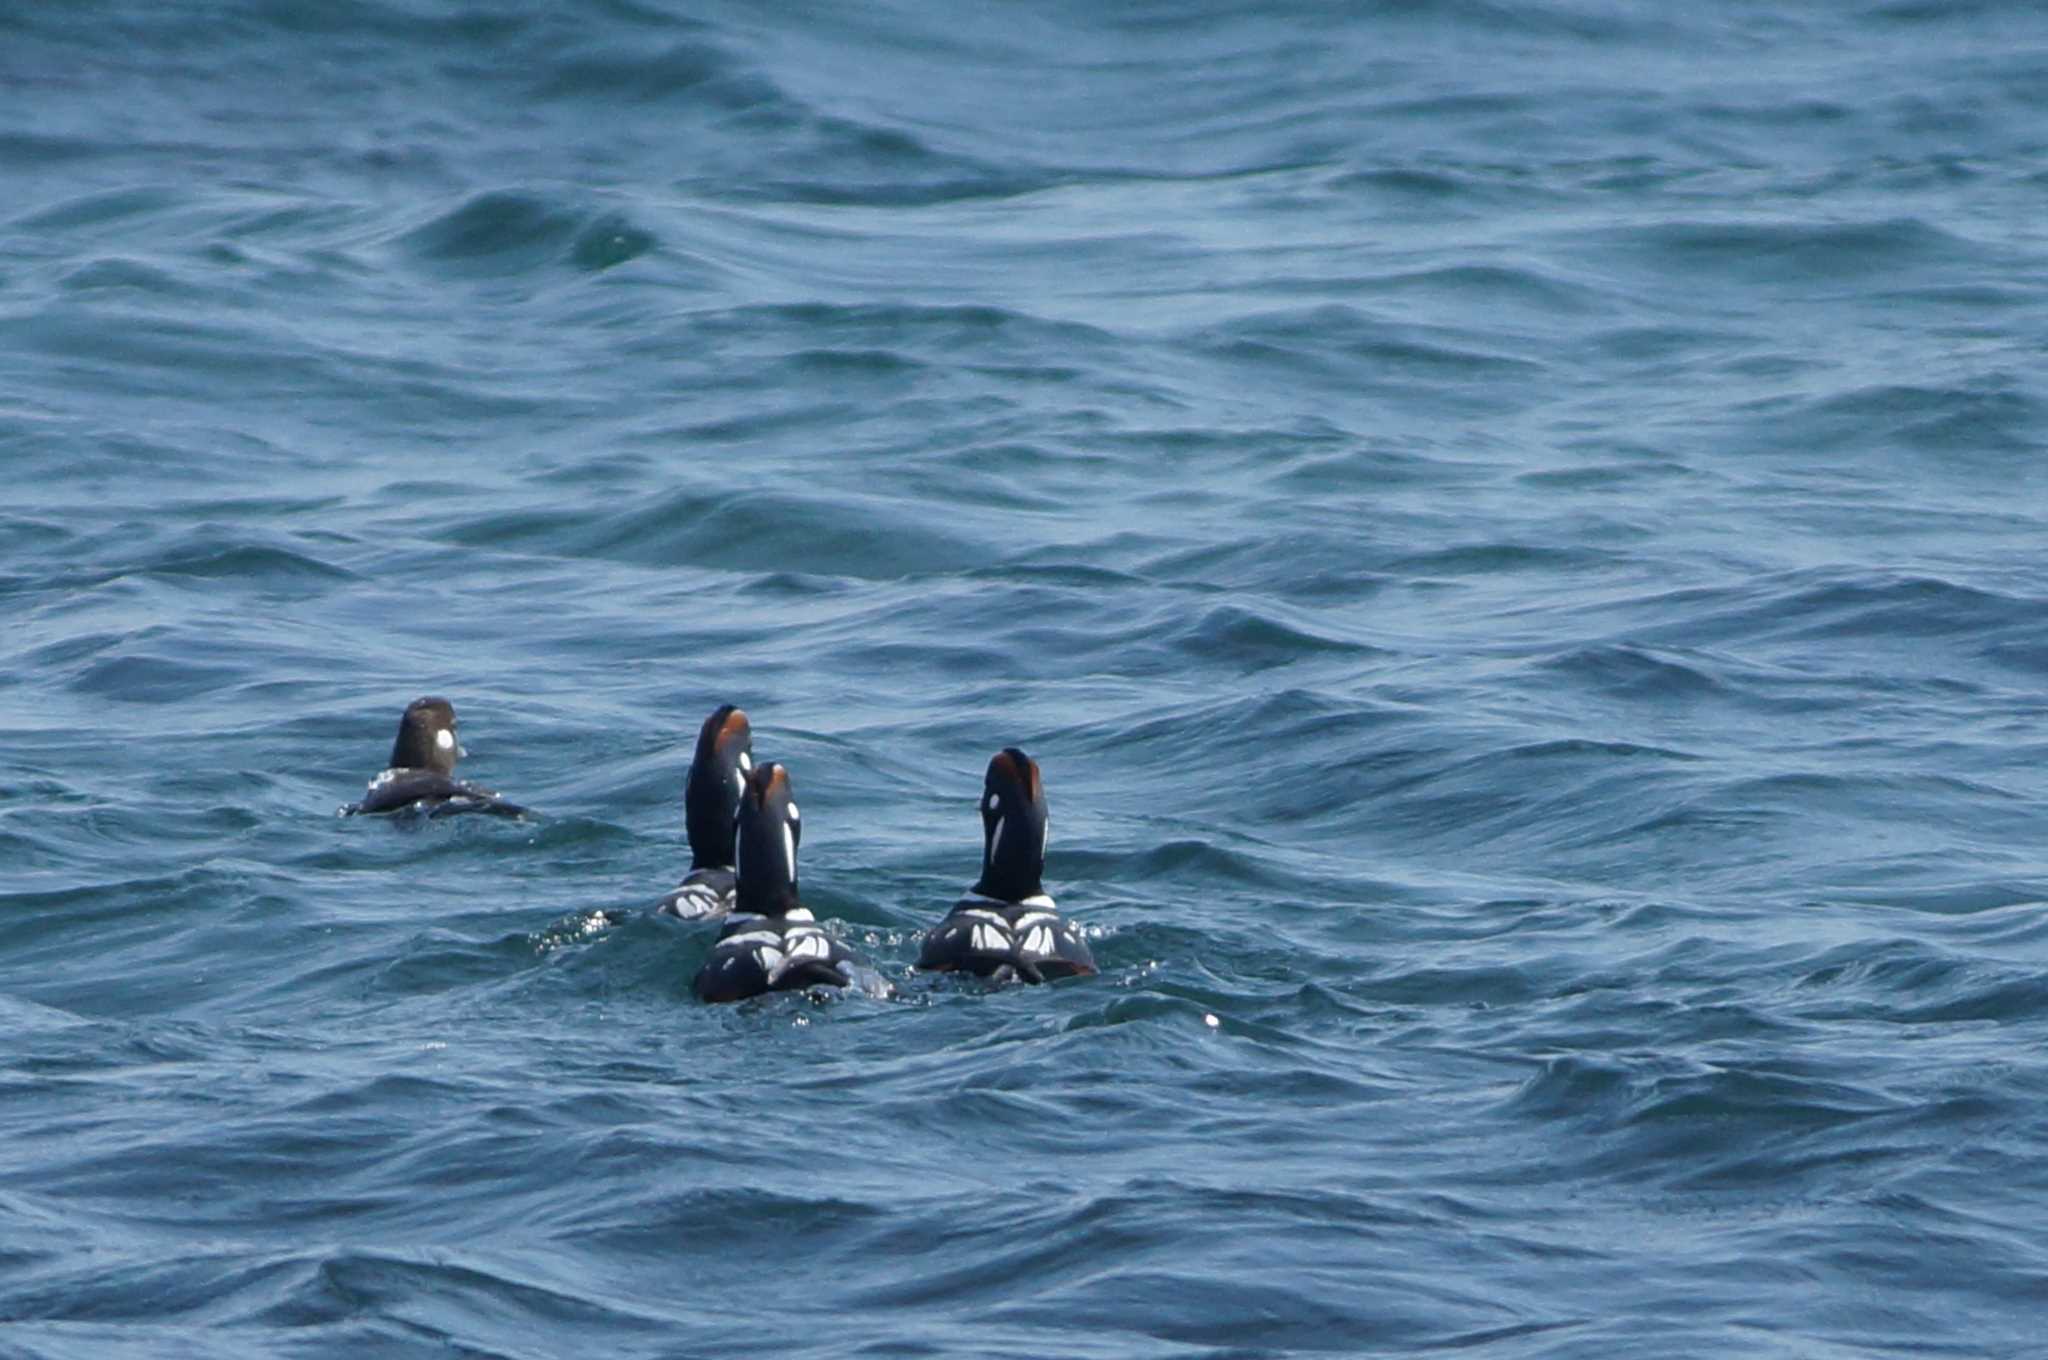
[[772, 942], [422, 773], [1006, 926], [718, 776]]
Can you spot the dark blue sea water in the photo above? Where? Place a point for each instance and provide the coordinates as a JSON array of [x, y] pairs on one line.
[[1517, 533]]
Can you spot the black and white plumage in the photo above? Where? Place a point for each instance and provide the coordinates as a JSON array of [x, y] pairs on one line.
[[1006, 926], [711, 798], [421, 776], [758, 954], [771, 942], [703, 895]]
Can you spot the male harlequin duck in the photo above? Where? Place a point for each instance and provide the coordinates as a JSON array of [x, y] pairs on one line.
[[422, 774], [772, 942], [718, 776], [1006, 926]]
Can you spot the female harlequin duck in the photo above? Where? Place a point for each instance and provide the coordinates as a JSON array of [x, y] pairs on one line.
[[1006, 926], [772, 942], [718, 776], [422, 773]]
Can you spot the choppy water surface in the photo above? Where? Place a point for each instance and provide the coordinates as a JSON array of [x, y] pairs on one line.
[[1515, 532]]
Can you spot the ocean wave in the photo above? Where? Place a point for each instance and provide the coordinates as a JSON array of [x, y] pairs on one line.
[[1508, 530], [1793, 252], [506, 233], [846, 535]]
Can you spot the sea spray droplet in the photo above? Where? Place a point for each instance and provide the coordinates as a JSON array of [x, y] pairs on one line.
[[610, 240]]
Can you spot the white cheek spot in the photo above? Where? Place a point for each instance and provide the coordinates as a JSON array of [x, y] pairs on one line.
[[792, 812], [445, 739], [994, 802], [746, 762]]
